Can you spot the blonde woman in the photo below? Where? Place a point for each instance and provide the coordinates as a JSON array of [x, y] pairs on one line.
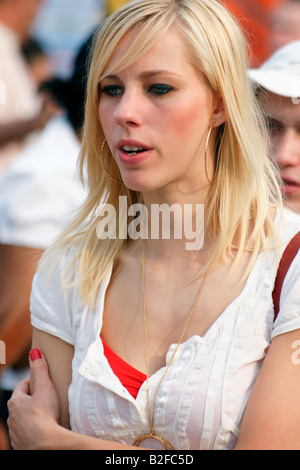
[[150, 344]]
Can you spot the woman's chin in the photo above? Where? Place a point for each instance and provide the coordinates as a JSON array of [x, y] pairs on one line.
[[138, 184]]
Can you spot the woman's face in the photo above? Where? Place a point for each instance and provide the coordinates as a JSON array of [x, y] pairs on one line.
[[155, 115]]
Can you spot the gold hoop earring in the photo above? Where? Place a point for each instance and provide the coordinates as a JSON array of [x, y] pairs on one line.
[[205, 158], [103, 164]]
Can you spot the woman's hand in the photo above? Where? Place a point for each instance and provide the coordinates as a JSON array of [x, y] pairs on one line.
[[34, 409], [34, 415]]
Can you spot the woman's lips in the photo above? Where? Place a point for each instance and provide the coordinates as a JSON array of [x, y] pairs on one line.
[[127, 159], [132, 152], [289, 186]]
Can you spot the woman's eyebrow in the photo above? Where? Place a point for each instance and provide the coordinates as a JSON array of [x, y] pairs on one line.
[[151, 73], [146, 74], [110, 77]]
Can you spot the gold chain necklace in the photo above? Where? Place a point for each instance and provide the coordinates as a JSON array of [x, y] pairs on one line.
[[152, 434]]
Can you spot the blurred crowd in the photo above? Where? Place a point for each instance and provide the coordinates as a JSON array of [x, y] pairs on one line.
[[42, 91]]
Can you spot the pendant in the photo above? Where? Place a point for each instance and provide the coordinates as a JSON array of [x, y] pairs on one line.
[[167, 445]]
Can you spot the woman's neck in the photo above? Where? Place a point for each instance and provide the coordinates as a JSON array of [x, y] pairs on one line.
[[174, 222]]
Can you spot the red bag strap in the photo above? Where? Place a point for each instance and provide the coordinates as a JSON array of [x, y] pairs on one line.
[[286, 260]]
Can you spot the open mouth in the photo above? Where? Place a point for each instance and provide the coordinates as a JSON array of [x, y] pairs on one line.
[[133, 150]]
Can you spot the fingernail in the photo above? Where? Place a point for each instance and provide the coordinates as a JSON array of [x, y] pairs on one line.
[[35, 354]]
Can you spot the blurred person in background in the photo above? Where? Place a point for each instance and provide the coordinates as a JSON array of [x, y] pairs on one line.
[[284, 24], [39, 63], [278, 81], [22, 111], [39, 194]]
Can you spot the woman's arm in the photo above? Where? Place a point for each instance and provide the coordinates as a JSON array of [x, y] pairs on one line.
[[34, 418], [17, 130], [271, 420], [59, 355], [272, 416], [38, 409]]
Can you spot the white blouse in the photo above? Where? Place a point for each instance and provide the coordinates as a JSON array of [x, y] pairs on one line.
[[202, 399]]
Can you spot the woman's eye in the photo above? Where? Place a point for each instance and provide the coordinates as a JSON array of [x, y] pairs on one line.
[[160, 89], [111, 90], [275, 126]]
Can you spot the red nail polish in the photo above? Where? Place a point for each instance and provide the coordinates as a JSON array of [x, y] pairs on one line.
[[35, 354]]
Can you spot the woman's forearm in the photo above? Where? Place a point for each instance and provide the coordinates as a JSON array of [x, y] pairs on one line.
[[34, 416]]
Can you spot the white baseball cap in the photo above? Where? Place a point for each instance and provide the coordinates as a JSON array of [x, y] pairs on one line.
[[280, 74]]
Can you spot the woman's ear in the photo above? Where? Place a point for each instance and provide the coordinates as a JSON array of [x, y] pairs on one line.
[[219, 113]]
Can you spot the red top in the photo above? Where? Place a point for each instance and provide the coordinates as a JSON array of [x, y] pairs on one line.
[[131, 378]]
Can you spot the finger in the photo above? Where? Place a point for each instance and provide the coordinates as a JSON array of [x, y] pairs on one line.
[[22, 388], [20, 392]]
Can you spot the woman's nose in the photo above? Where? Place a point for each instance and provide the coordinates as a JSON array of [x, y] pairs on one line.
[[129, 109], [287, 150]]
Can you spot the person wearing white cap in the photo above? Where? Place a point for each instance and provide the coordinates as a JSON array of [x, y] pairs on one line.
[[278, 80]]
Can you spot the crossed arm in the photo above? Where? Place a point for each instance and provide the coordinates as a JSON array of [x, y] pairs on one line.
[[271, 420], [39, 416]]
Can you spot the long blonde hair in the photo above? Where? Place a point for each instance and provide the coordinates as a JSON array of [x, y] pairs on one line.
[[245, 184]]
